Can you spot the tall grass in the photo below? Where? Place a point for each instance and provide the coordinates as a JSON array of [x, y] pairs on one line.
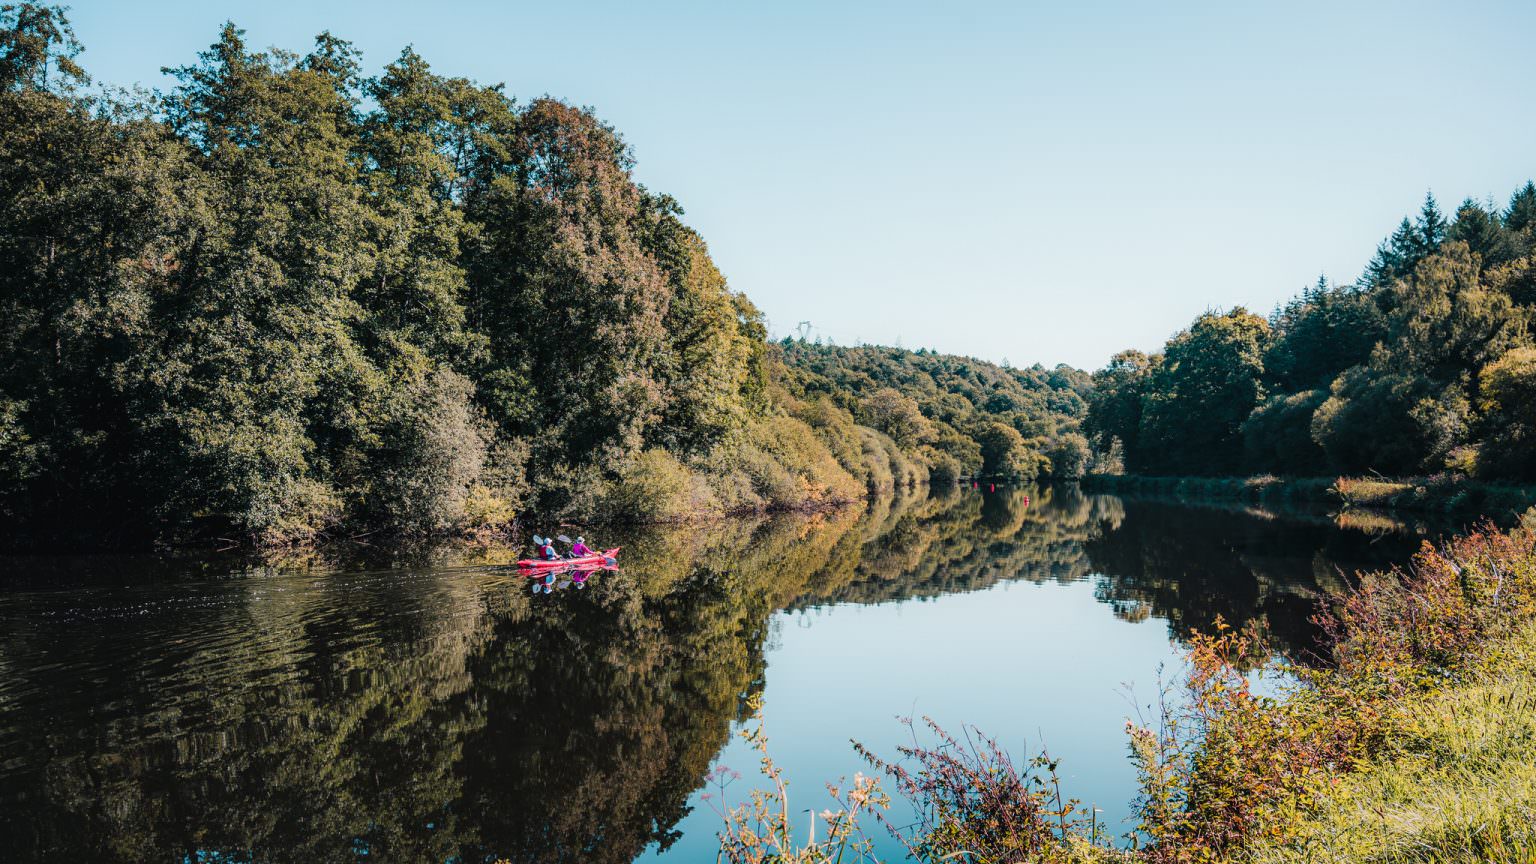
[[1457, 782]]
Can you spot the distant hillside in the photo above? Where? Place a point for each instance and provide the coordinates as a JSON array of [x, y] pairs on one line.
[[958, 415]]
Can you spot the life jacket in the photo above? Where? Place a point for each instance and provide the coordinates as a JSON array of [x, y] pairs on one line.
[[548, 552], [581, 549]]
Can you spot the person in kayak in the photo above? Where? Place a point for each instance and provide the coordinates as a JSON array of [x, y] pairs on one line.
[[579, 549], [547, 551]]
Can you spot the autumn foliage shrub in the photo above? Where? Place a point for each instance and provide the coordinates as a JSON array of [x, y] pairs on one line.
[[1219, 759], [654, 487], [1226, 768], [975, 802]]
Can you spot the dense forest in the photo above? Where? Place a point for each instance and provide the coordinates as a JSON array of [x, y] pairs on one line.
[[1425, 365], [283, 300]]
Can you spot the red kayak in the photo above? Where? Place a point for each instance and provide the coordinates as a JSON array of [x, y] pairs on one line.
[[606, 558]]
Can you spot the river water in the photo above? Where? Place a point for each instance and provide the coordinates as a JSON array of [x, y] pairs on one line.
[[365, 705]]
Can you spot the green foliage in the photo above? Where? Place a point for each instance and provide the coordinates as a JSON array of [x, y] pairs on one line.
[[1210, 380], [1277, 436], [1382, 376], [938, 408], [562, 279], [432, 453], [37, 49], [1323, 330], [19, 456], [945, 469], [1005, 455], [1115, 403], [898, 416], [1069, 456], [788, 466], [283, 296], [1508, 387], [1444, 322], [717, 349], [1368, 420], [656, 487]]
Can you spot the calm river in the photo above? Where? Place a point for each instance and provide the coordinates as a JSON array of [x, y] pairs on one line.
[[431, 708]]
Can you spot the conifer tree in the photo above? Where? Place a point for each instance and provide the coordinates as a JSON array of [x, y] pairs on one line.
[[1431, 226], [1483, 233], [1520, 216], [1395, 256]]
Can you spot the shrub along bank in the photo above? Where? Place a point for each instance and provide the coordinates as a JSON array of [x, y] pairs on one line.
[[1444, 493]]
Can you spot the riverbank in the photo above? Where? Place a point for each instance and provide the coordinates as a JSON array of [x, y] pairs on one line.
[[1460, 785], [1441, 493], [1410, 737]]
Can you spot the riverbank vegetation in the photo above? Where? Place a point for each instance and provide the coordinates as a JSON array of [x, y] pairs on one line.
[[285, 299], [1425, 365], [1445, 493], [1409, 738]]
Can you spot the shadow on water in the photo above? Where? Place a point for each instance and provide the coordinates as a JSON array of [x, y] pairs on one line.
[[435, 709]]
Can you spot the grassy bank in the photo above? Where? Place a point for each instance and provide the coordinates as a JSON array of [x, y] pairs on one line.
[[1442, 493], [1457, 784], [1411, 739]]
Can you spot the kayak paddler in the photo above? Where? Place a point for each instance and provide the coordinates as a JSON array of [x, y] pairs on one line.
[[547, 551], [579, 548]]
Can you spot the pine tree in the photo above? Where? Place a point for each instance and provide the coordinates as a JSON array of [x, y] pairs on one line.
[[1318, 289], [1521, 213], [1431, 227], [1483, 233], [1395, 257]]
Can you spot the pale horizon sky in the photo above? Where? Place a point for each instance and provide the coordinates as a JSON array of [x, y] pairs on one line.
[[1038, 182]]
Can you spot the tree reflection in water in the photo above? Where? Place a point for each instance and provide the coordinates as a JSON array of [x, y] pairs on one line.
[[430, 708]]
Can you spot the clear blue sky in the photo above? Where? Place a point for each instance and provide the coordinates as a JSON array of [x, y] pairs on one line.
[[1041, 182]]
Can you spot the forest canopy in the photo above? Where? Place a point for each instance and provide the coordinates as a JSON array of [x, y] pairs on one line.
[[286, 298], [1425, 364]]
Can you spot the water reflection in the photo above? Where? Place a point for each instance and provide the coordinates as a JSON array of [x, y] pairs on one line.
[[427, 706]]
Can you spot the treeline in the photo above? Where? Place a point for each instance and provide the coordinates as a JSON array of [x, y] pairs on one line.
[[284, 299], [1425, 365]]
